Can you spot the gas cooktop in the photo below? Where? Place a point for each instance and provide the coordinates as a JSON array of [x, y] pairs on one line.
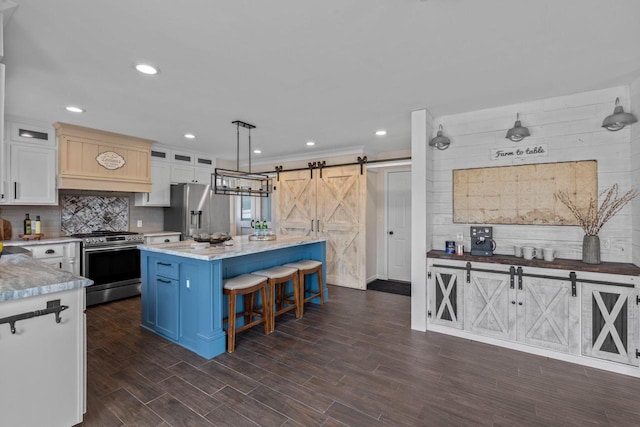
[[105, 238]]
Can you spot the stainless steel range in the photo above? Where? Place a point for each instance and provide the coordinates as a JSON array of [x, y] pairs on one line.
[[111, 259]]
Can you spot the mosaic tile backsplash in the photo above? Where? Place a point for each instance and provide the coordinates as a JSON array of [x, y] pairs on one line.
[[83, 214]]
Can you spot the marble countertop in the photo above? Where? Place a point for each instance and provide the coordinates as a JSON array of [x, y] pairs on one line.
[[160, 233], [45, 241], [241, 246], [22, 276]]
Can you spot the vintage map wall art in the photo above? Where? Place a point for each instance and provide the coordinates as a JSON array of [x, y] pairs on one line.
[[523, 194]]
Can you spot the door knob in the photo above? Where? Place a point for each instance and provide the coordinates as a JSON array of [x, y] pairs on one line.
[[391, 233]]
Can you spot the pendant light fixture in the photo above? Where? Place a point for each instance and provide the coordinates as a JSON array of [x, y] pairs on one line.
[[618, 119], [517, 132], [440, 141], [237, 182]]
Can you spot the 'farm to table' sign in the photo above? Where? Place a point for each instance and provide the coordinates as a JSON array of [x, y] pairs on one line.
[[538, 150]]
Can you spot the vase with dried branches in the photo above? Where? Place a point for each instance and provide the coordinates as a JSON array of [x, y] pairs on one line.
[[593, 218]]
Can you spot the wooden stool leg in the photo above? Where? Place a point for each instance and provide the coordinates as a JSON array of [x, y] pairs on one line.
[[298, 296], [272, 320], [246, 300], [231, 324], [320, 286], [265, 310]]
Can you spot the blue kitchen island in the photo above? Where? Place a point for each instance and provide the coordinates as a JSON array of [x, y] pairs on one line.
[[182, 297]]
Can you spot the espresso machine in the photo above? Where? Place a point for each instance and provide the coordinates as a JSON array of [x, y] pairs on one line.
[[482, 242]]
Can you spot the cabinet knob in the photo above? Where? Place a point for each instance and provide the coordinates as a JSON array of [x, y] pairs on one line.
[[391, 233], [166, 240], [520, 303], [49, 251], [513, 302]]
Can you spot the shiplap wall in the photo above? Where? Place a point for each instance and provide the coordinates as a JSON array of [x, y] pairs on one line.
[[635, 168], [571, 128]]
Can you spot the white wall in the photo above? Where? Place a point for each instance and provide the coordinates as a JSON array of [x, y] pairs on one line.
[[635, 168], [571, 127], [421, 220], [372, 246]]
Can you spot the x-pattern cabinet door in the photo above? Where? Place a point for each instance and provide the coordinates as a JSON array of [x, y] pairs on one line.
[[610, 323], [488, 308], [547, 314], [446, 293]]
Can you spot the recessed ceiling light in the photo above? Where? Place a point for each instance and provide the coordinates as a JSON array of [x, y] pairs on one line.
[[74, 109], [189, 136], [310, 143], [146, 69], [257, 151], [381, 132]]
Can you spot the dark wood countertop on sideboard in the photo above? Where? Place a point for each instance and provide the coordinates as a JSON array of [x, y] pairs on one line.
[[559, 263]]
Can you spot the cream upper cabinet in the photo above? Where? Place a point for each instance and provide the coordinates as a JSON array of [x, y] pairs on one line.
[[92, 159], [160, 194], [330, 204]]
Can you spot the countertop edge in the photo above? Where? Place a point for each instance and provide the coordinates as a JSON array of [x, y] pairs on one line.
[[49, 280], [45, 241], [627, 269], [182, 248]]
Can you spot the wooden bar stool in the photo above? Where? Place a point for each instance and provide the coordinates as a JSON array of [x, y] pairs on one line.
[[246, 285], [277, 279], [305, 268]]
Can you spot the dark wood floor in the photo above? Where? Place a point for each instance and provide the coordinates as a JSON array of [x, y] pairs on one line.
[[352, 362]]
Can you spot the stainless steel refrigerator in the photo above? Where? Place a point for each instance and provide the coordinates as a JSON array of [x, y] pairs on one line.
[[196, 210]]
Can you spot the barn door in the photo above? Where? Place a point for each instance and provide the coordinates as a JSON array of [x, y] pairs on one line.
[[341, 216], [296, 193]]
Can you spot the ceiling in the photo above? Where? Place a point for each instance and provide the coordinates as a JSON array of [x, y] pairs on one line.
[[331, 71]]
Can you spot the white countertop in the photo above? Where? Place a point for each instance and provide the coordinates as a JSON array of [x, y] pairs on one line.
[[22, 276], [45, 241], [241, 246]]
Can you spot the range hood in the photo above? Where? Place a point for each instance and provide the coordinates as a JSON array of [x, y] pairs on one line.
[[91, 159]]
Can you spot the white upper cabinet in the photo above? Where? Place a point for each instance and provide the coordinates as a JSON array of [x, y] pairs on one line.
[[32, 175], [160, 194], [28, 165], [188, 167]]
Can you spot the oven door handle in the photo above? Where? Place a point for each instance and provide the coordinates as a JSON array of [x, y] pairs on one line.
[[110, 248]]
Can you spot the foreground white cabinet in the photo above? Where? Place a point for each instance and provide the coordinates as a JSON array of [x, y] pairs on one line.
[[43, 374], [577, 315]]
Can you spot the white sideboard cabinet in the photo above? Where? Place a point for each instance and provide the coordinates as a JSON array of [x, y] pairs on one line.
[[563, 309]]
